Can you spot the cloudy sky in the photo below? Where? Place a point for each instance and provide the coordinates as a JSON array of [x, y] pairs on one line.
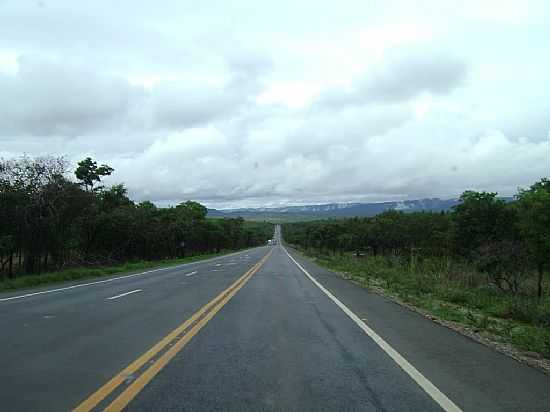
[[257, 103]]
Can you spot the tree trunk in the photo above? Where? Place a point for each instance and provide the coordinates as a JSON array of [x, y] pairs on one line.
[[10, 269], [540, 271], [29, 263], [19, 257]]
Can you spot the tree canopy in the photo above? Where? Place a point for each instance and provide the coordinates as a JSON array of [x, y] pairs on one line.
[[506, 241], [89, 173], [48, 221]]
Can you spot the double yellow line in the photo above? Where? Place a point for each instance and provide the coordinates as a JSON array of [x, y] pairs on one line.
[[181, 335]]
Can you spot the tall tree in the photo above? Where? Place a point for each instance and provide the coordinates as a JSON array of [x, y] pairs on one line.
[[534, 223], [89, 173], [481, 218]]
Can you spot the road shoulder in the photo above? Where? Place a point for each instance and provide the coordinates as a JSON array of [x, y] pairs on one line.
[[59, 283], [476, 376]]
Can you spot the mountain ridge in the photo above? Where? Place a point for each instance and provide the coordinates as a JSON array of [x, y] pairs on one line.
[[338, 210]]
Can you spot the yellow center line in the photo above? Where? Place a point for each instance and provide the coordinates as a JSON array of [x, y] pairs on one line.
[[210, 309]]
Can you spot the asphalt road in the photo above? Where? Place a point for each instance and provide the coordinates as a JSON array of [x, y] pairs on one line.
[[251, 331]]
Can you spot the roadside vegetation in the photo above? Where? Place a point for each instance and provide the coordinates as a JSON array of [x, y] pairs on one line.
[[78, 273], [484, 265], [54, 228]]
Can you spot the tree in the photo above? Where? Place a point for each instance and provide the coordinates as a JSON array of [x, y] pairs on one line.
[[481, 218], [34, 195], [48, 221], [505, 262], [534, 224], [89, 173], [115, 196]]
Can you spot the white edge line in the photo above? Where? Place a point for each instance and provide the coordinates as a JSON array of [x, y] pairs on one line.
[[125, 294], [420, 379], [191, 273], [43, 292]]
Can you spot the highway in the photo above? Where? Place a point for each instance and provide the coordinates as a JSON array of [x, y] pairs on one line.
[[262, 329]]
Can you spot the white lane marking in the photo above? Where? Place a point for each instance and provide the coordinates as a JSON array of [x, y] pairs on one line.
[[124, 294], [438, 396], [43, 292], [28, 295], [191, 273]]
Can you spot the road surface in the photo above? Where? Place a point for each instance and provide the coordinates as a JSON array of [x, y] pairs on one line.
[[263, 329]]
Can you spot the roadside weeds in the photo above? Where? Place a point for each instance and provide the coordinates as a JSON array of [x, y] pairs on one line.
[[81, 273], [503, 335]]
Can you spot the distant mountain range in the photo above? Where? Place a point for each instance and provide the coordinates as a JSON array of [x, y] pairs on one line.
[[336, 210]]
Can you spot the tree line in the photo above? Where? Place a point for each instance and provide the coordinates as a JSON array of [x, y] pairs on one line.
[[49, 221], [507, 242]]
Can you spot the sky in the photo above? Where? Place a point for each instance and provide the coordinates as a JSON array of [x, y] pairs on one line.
[[247, 103]]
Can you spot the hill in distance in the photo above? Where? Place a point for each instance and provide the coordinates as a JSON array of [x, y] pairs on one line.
[[336, 210]]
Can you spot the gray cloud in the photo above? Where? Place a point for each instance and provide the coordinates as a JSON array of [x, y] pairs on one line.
[[55, 98], [237, 104], [401, 80], [47, 97], [407, 78], [178, 104], [184, 104], [123, 36]]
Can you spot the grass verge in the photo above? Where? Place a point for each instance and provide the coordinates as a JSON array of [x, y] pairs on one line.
[[452, 295], [78, 273]]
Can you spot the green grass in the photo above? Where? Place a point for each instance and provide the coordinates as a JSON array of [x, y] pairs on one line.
[[77, 273], [455, 292]]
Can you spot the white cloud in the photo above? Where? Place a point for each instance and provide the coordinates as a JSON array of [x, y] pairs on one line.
[[244, 103]]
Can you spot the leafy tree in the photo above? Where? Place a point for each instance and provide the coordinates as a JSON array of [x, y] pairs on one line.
[[89, 173], [48, 222], [115, 196], [481, 218], [506, 241], [534, 224], [505, 262]]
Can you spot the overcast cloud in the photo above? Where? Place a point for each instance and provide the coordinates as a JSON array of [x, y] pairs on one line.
[[246, 103]]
